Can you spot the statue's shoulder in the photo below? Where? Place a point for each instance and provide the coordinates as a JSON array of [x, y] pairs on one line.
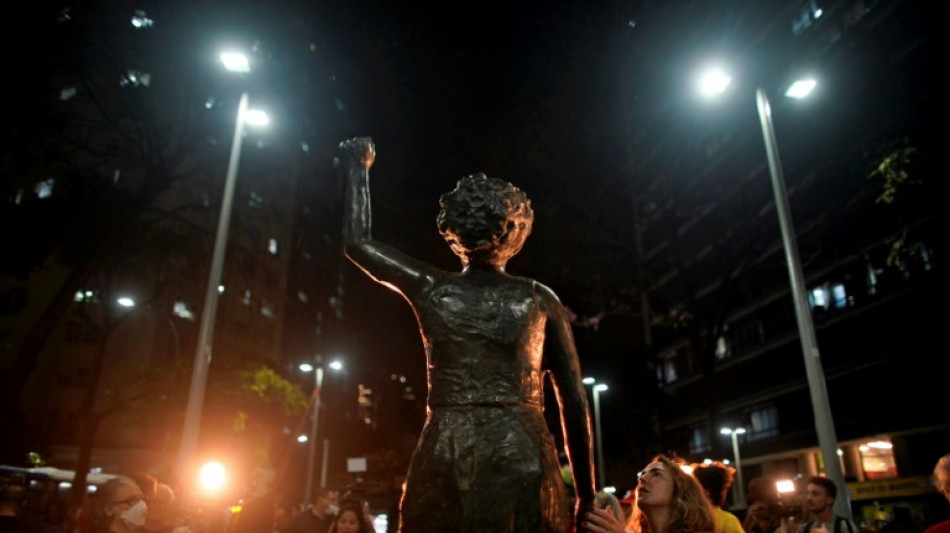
[[543, 291]]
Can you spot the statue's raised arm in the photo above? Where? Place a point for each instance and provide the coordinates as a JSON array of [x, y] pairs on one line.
[[384, 263]]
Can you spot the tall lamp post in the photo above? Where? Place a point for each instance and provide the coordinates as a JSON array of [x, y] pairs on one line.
[[596, 389], [314, 419], [824, 425], [199, 376], [734, 433]]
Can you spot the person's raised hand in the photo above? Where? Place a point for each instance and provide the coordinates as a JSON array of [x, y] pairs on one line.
[[601, 521]]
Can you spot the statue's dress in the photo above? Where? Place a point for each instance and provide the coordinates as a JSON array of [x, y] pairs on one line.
[[486, 461]]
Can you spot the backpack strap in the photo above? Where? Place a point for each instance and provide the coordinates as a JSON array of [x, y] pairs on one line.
[[842, 520]]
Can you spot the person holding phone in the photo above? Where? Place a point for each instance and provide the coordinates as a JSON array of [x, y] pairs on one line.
[[668, 500]]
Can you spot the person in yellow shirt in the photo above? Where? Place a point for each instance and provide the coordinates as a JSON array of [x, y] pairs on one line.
[[716, 479]]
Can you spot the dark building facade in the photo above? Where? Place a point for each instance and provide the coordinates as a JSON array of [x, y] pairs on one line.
[[725, 343]]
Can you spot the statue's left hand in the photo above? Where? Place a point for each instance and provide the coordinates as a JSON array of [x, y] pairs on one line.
[[359, 151]]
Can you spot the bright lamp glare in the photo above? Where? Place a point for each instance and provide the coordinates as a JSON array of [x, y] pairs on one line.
[[302, 438], [212, 476], [336, 365], [305, 367], [600, 387], [801, 88], [713, 81], [256, 117], [785, 486], [235, 62], [126, 302], [588, 381]]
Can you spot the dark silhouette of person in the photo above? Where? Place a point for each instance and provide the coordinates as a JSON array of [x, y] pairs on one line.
[[903, 522], [14, 496], [486, 461]]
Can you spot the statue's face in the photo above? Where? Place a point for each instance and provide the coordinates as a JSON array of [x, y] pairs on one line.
[[491, 249]]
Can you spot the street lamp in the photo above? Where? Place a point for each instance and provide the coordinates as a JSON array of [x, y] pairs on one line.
[[314, 419], [199, 376], [824, 425], [598, 439], [740, 493]]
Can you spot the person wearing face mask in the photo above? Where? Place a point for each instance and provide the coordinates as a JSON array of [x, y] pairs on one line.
[[668, 500], [318, 518], [118, 507]]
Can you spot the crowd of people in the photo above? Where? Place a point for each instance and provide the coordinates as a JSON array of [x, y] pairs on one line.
[[140, 503], [671, 496]]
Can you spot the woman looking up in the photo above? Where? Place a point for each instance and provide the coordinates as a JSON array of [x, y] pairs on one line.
[[668, 500]]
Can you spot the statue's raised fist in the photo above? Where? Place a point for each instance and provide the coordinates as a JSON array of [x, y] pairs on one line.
[[359, 150]]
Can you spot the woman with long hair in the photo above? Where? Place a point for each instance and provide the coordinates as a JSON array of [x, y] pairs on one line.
[[353, 518], [668, 500]]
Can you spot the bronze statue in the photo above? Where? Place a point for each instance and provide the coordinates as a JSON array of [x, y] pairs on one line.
[[486, 461]]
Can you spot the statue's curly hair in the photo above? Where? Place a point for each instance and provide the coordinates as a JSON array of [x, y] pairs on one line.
[[485, 218]]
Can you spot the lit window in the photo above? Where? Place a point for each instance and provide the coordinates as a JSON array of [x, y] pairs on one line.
[[84, 296], [255, 200], [135, 78], [182, 310], [818, 298], [723, 345], [808, 12], [763, 422], [267, 309], [877, 459], [247, 297], [669, 371], [272, 246], [67, 93], [140, 20], [840, 295], [44, 189], [699, 442], [872, 273]]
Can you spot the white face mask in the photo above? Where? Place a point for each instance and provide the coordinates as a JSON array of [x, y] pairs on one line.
[[333, 509], [135, 516]]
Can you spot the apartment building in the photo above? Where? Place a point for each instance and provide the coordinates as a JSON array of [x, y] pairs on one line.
[[726, 342]]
